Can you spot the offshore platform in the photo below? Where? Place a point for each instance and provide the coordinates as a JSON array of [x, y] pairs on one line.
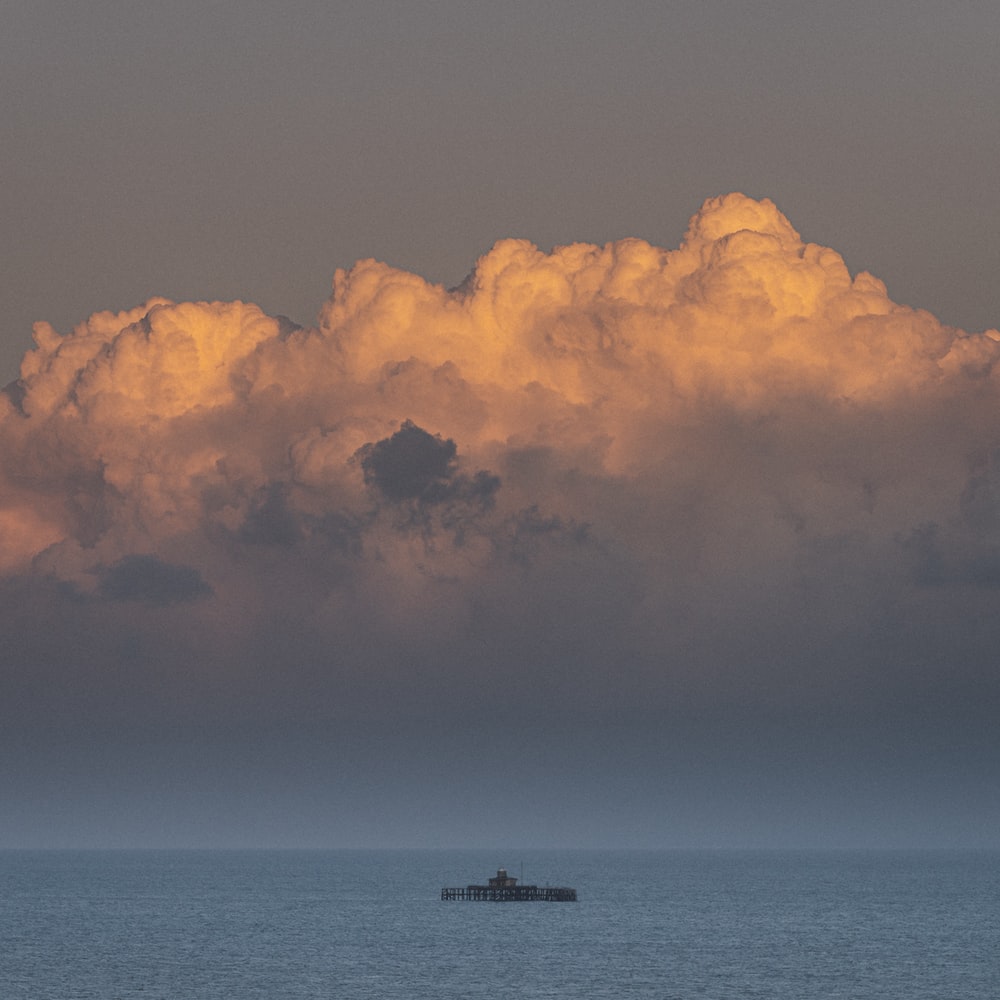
[[503, 888]]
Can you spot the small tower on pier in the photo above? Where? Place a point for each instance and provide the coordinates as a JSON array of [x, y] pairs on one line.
[[502, 880]]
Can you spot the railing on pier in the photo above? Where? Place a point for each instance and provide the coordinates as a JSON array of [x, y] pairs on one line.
[[510, 894]]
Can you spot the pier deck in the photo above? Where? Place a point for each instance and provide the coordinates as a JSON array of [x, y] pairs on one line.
[[519, 894], [504, 889]]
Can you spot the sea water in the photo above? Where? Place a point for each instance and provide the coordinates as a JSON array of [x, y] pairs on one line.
[[285, 925]]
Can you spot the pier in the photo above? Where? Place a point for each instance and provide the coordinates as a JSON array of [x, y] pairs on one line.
[[503, 888]]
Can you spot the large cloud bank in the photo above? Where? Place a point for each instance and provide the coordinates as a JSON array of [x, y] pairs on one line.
[[608, 479]]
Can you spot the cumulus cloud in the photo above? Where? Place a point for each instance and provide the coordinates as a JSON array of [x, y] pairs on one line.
[[609, 476]]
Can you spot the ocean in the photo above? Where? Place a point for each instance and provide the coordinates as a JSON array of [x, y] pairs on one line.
[[676, 925]]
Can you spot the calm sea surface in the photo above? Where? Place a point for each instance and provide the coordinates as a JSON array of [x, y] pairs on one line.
[[285, 925]]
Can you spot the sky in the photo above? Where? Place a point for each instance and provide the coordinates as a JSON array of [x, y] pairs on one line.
[[459, 424]]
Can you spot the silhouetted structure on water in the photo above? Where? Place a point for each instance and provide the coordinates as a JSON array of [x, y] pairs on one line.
[[503, 888]]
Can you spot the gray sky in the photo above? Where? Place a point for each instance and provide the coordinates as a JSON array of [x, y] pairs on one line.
[[692, 539], [221, 150]]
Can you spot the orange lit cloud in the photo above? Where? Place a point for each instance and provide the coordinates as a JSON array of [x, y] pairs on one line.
[[609, 450]]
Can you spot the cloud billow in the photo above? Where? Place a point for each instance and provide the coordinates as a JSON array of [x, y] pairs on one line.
[[410, 465]]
